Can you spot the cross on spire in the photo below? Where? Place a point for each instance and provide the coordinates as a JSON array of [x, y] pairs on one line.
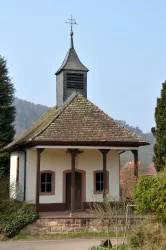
[[71, 22]]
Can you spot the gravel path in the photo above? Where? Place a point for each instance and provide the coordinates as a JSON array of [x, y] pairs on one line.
[[68, 244]]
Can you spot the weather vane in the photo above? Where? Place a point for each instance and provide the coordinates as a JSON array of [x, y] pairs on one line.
[[72, 22]]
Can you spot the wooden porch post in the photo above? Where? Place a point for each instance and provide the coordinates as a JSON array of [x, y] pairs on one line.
[[39, 150], [104, 153], [135, 153], [73, 155]]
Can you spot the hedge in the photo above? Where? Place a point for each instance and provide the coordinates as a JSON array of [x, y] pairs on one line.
[[150, 195], [15, 215]]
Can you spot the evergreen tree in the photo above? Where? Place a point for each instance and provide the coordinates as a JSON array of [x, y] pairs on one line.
[[160, 131], [7, 114]]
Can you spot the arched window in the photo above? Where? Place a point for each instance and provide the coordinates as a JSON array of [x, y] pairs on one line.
[[47, 182]]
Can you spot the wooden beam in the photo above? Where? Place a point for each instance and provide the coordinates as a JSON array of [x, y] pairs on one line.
[[73, 156], [39, 150], [17, 169], [104, 153], [135, 153]]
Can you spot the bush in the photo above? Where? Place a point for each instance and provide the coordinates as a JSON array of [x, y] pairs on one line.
[[14, 215], [4, 188], [10, 189], [150, 195], [148, 235]]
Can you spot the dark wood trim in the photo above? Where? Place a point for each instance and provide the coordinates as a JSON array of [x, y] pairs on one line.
[[52, 183], [37, 179], [135, 153], [75, 143], [119, 178], [73, 163], [94, 181], [72, 180], [83, 184], [25, 172], [41, 150], [52, 207], [17, 169], [104, 153], [86, 143]]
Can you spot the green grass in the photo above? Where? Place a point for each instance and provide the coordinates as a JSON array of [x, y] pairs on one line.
[[63, 236]]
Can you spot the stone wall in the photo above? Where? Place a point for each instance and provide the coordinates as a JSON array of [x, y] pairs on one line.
[[53, 225], [57, 225]]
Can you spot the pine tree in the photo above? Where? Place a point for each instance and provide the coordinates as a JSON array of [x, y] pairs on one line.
[[7, 114], [160, 131]]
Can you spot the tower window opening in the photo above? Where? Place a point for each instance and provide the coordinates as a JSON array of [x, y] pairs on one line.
[[75, 80]]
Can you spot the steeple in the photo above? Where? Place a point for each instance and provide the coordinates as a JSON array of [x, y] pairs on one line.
[[71, 43], [72, 75]]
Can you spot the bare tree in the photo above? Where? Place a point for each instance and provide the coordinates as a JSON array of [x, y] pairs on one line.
[[112, 215]]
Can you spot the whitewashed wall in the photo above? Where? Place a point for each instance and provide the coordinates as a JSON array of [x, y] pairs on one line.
[[21, 170], [51, 159], [13, 172], [92, 160], [13, 169], [58, 160]]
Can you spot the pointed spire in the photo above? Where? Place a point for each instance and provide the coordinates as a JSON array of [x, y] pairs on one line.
[[71, 61], [71, 42], [71, 22]]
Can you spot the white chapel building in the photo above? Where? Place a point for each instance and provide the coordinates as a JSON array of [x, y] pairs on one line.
[[71, 154]]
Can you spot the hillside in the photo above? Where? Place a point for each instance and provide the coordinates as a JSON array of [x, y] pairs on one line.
[[27, 113], [145, 153]]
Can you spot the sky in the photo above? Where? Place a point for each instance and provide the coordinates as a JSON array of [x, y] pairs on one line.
[[122, 43]]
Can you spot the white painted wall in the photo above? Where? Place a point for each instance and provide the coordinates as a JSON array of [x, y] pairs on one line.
[[13, 169], [51, 159], [58, 160], [92, 160], [21, 171], [13, 172]]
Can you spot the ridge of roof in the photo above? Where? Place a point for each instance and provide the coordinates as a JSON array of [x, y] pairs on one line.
[[71, 62]]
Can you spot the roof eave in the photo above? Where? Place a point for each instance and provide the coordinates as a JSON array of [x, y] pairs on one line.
[[75, 143], [60, 70]]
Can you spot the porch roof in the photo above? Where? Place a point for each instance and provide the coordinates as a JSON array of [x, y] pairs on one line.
[[77, 122]]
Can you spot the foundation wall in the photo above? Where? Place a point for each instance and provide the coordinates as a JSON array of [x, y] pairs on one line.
[[68, 225]]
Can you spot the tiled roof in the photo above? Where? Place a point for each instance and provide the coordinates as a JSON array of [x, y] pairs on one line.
[[71, 62], [78, 120]]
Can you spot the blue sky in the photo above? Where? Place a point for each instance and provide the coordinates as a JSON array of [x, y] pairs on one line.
[[123, 43]]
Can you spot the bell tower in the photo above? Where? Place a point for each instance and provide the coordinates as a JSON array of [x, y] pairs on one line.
[[71, 77]]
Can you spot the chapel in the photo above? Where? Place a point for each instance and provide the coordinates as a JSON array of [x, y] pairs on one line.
[[70, 156]]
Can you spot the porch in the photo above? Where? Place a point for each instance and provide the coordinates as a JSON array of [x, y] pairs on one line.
[[78, 176]]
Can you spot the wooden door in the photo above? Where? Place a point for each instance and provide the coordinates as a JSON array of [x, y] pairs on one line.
[[78, 191]]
